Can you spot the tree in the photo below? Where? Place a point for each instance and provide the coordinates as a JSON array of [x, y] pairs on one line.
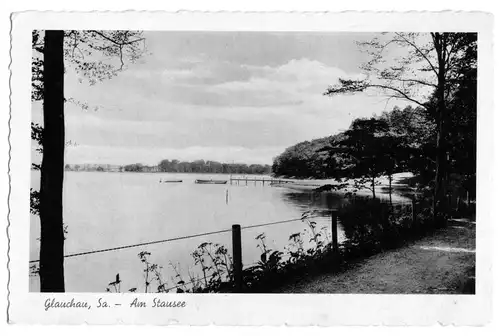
[[431, 64], [135, 167], [52, 170], [366, 152], [52, 53], [304, 160]]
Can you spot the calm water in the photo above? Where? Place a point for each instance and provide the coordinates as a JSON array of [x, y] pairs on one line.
[[104, 210]]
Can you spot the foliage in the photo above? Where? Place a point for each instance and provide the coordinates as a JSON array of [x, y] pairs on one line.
[[216, 266], [136, 167], [176, 166], [416, 71], [365, 152], [266, 268], [52, 53], [202, 166], [81, 49], [371, 226], [304, 160], [432, 69], [375, 146], [435, 142], [34, 201]]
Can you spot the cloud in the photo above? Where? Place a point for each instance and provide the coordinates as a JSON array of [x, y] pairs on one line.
[[208, 105], [185, 131], [295, 82], [150, 156]]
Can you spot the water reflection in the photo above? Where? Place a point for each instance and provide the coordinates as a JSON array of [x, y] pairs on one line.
[[322, 201], [309, 200]]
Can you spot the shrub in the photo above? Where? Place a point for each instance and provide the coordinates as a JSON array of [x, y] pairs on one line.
[[371, 225]]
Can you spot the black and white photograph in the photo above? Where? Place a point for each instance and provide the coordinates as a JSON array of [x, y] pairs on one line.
[[173, 163]]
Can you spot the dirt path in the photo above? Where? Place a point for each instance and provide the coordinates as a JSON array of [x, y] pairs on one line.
[[443, 263]]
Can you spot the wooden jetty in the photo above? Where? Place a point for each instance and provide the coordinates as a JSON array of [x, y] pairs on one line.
[[255, 180]]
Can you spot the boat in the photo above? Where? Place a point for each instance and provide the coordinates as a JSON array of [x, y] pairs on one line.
[[171, 181], [210, 181]]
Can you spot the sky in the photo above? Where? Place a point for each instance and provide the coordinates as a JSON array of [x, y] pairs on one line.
[[224, 96]]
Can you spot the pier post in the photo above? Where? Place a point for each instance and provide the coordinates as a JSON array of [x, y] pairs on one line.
[[237, 259], [335, 243]]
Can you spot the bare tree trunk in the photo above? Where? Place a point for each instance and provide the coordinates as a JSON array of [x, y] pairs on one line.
[[52, 170]]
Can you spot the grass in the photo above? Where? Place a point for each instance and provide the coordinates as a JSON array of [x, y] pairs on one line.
[[442, 263]]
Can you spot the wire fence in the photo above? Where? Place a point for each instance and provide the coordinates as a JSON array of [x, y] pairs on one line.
[[154, 242], [117, 248], [318, 213]]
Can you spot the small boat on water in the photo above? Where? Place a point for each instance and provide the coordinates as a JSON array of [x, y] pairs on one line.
[[171, 181], [210, 181]]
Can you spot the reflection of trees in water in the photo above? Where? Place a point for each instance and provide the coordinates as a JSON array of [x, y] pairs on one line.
[[309, 200], [313, 200]]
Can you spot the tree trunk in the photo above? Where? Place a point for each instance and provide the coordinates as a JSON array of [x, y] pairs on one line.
[[52, 170], [373, 187], [439, 188], [439, 203], [390, 189]]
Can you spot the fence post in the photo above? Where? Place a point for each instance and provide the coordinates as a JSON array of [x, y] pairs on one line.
[[237, 259], [335, 243]]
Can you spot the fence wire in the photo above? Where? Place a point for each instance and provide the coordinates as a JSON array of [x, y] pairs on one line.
[[174, 239]]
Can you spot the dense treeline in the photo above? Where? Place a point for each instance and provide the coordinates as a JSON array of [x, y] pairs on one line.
[[304, 160], [401, 140], [176, 166], [214, 167], [381, 145]]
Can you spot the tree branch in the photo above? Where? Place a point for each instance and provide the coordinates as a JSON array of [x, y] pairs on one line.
[[118, 43], [412, 80], [403, 95], [420, 52], [351, 86]]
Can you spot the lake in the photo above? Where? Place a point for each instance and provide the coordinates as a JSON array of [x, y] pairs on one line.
[[105, 210]]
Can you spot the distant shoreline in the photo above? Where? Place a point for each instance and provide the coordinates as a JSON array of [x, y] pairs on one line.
[[159, 172]]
